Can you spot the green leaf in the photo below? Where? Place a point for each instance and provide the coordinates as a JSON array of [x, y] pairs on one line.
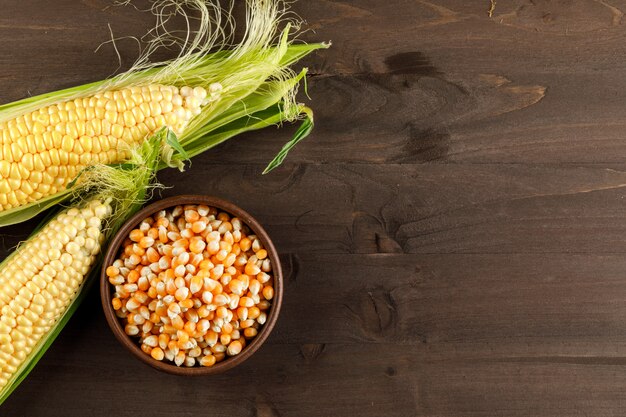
[[296, 52], [267, 95], [268, 117], [271, 116], [303, 131], [171, 140]]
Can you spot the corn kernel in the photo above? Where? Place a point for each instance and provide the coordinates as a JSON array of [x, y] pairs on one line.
[[208, 291]]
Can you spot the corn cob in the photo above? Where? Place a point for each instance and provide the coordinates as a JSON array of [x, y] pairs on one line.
[[42, 278], [42, 151], [46, 141]]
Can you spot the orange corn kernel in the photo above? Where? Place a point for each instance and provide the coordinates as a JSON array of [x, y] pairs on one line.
[[157, 353], [117, 303], [136, 235], [208, 360]]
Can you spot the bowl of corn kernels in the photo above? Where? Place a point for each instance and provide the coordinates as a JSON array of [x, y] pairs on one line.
[[191, 285]]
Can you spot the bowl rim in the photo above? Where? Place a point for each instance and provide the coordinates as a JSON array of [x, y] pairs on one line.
[[220, 204]]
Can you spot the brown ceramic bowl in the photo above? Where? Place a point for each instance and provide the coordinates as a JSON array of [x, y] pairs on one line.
[[106, 289]]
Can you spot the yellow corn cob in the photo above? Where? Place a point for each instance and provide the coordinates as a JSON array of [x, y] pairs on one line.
[[41, 279], [42, 151]]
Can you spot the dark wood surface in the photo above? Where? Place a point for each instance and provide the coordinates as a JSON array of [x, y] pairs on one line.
[[453, 232]]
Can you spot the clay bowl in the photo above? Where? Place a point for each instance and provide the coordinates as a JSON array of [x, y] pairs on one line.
[[131, 343]]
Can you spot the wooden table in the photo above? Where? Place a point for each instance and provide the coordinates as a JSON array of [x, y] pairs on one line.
[[453, 233]]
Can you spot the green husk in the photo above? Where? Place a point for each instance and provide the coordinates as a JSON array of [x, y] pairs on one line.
[[303, 131], [269, 95], [254, 73], [8, 111], [127, 187]]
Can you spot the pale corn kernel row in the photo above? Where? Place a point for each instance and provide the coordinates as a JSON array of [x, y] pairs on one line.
[[42, 151], [192, 284], [42, 278]]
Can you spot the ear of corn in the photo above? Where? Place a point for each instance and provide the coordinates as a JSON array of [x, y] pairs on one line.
[[49, 139], [42, 278]]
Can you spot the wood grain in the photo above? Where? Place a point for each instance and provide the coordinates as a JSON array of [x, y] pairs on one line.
[[452, 232], [432, 208]]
